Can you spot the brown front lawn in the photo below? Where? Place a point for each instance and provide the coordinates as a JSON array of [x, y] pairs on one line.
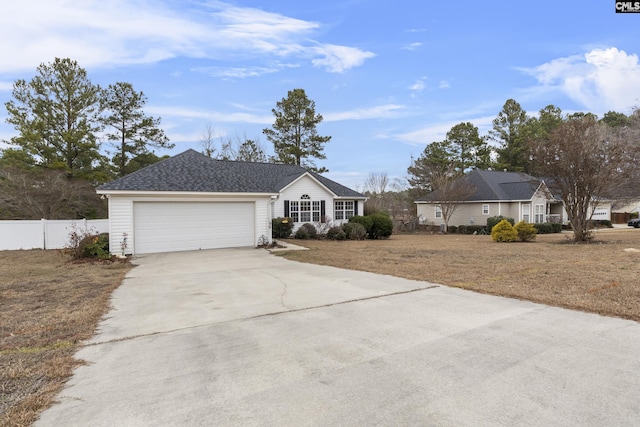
[[601, 277], [48, 305]]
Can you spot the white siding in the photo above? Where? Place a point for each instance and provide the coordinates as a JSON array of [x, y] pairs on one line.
[[263, 220], [120, 222]]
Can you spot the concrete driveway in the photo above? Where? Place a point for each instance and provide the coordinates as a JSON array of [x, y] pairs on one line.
[[241, 337]]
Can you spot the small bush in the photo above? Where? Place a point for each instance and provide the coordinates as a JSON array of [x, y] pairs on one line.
[[382, 226], [354, 231], [312, 231], [526, 231], [302, 234], [462, 229], [452, 229], [504, 232], [603, 223], [366, 221], [493, 220], [336, 233], [95, 246], [281, 227], [556, 227]]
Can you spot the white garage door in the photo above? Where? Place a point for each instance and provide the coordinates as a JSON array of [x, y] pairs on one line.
[[186, 226]]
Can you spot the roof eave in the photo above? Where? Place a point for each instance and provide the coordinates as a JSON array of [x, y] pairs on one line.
[[181, 193]]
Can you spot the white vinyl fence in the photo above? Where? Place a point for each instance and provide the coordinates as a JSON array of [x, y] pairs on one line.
[[45, 234]]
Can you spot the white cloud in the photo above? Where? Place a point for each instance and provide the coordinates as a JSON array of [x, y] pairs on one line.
[[338, 59], [444, 84], [121, 32], [418, 86], [378, 112], [600, 80], [412, 46], [438, 131], [214, 116], [6, 86]]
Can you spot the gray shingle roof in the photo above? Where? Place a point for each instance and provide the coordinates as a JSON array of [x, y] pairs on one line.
[[194, 172], [497, 185]]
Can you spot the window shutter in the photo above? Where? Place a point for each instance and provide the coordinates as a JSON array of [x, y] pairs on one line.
[[286, 209], [322, 209], [355, 207]]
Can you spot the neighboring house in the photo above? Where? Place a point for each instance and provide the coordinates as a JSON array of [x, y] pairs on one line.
[[191, 202], [510, 194]]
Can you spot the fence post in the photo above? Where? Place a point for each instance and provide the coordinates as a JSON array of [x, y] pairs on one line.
[[44, 233]]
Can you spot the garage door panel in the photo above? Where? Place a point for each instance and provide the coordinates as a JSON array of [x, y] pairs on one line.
[[182, 226]]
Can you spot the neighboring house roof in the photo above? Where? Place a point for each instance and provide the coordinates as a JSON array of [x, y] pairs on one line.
[[496, 185], [191, 171]]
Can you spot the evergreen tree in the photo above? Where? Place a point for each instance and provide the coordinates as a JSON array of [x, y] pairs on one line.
[[133, 132], [293, 134], [507, 132], [56, 116]]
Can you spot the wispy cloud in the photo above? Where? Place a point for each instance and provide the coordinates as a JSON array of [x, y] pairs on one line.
[[600, 80], [412, 46], [214, 116], [418, 86], [338, 59], [438, 131], [121, 32], [377, 112], [444, 84]]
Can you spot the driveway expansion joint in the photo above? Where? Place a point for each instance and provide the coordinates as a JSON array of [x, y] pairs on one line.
[[258, 316]]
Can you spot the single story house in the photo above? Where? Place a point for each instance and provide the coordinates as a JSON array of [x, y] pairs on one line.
[[192, 202], [511, 194]]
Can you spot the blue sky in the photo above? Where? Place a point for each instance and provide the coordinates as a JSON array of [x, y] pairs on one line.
[[388, 77]]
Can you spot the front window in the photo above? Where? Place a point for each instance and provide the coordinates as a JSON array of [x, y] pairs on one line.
[[485, 209], [526, 213], [438, 211], [344, 209], [539, 214], [304, 210]]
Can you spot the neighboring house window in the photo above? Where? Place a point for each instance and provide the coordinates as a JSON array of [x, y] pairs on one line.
[[526, 213], [438, 211], [485, 209], [539, 214], [344, 209]]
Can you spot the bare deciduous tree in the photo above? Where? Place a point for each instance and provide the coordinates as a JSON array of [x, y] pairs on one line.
[[46, 194], [451, 190], [583, 161]]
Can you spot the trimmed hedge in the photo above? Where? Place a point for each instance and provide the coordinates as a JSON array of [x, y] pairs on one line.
[[493, 220]]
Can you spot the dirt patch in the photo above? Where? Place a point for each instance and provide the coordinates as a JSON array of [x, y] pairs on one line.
[[48, 305], [601, 277]]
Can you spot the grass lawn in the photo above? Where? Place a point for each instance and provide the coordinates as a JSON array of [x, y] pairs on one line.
[[601, 277], [48, 305]]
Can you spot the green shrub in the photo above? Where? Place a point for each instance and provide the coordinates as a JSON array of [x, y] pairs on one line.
[[366, 221], [96, 246], [504, 232], [310, 230], [302, 233], [493, 220], [462, 229], [336, 233], [382, 226], [281, 227], [556, 227], [544, 228], [354, 231], [526, 231]]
